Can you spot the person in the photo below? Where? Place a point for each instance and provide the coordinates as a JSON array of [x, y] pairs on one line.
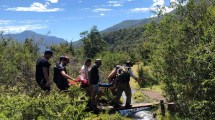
[[96, 92], [112, 79], [123, 84], [55, 78], [42, 71], [84, 76], [60, 74]]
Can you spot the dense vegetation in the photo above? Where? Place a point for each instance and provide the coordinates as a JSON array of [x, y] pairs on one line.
[[21, 98], [181, 51], [178, 51]]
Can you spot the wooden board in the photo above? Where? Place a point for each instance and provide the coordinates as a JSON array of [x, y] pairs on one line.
[[136, 105]]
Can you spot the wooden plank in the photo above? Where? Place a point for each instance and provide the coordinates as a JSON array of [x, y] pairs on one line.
[[136, 105]]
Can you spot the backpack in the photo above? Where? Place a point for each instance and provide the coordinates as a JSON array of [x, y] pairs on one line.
[[56, 76], [123, 75]]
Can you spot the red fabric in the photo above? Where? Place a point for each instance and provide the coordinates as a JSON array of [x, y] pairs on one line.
[[84, 82], [78, 79], [71, 82]]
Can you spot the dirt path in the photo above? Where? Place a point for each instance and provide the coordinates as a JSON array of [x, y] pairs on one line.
[[152, 94], [155, 95]]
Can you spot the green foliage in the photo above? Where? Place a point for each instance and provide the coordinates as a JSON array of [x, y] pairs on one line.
[[17, 62], [71, 48], [20, 96], [146, 77], [93, 43], [138, 97], [125, 40], [182, 57], [63, 49], [54, 106]]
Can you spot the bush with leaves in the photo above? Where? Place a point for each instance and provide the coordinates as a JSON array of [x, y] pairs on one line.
[[184, 58], [53, 106]]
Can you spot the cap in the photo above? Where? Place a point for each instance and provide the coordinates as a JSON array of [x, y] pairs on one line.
[[61, 58], [128, 62], [66, 58], [118, 66], [98, 61], [49, 52]]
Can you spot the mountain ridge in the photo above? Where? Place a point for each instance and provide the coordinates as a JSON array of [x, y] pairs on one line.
[[129, 24], [43, 40]]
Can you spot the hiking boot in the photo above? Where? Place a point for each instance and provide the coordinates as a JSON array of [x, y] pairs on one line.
[[128, 106], [116, 106], [94, 107]]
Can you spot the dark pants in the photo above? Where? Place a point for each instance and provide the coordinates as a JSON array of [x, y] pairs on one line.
[[42, 84], [120, 88]]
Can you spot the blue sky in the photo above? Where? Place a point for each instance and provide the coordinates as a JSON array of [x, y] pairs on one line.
[[67, 18]]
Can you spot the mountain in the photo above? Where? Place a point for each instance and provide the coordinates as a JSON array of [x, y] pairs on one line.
[[118, 28], [77, 44], [43, 40], [129, 24]]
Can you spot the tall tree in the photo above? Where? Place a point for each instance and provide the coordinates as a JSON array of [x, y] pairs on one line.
[[93, 42], [71, 48]]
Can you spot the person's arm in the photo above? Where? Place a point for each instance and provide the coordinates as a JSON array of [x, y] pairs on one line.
[[46, 76], [66, 76], [89, 77], [82, 73], [111, 75], [132, 74]]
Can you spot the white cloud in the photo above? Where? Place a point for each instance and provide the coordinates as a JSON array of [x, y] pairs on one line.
[[53, 1], [157, 6], [101, 10], [36, 7], [17, 29], [33, 21], [4, 22], [115, 3], [158, 3], [102, 14], [80, 1], [140, 10]]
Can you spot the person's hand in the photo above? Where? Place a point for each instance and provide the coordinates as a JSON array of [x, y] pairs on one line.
[[48, 84]]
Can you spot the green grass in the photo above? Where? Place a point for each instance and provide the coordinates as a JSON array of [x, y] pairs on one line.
[[155, 88], [139, 97]]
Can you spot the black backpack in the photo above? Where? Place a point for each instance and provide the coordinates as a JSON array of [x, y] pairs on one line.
[[56, 74], [123, 75]]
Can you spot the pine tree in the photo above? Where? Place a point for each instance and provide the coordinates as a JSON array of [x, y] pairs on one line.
[[93, 42]]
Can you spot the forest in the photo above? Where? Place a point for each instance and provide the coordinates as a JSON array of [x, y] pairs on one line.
[[178, 51]]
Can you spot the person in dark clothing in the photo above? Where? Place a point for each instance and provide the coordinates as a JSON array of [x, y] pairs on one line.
[[123, 83], [42, 71], [60, 74], [96, 93]]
